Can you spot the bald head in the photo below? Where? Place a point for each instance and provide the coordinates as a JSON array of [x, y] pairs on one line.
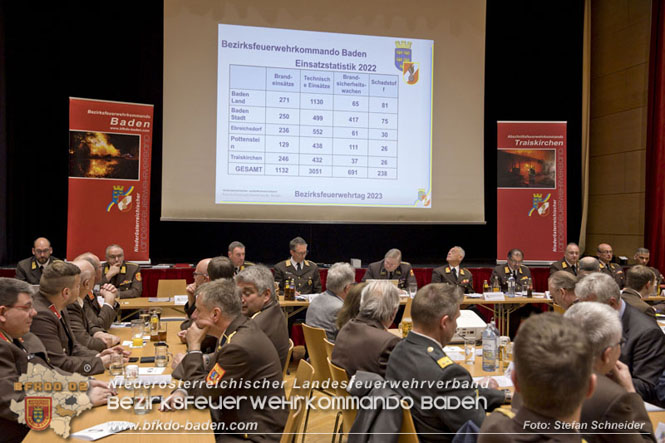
[[587, 265], [201, 272], [94, 261], [87, 276], [42, 250]]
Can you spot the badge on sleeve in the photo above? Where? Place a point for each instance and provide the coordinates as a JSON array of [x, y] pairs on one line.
[[215, 374]]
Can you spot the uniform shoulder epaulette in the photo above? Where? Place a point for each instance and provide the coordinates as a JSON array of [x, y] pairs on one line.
[[306, 262], [406, 263], [506, 269], [564, 265], [507, 412], [248, 263]]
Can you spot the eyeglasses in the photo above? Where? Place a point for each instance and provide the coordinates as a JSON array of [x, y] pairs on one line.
[[42, 251], [26, 308]]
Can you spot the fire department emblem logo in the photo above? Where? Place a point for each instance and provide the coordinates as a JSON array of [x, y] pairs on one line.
[[38, 412]]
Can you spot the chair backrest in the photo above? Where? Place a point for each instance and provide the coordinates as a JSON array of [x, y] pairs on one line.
[[329, 347], [341, 378], [407, 433], [288, 359], [558, 309], [407, 308], [304, 377], [317, 352], [169, 288]]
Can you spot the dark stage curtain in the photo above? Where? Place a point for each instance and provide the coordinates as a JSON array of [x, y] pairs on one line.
[[654, 229], [3, 141]]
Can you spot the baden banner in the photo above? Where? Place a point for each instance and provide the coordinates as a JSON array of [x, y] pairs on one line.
[[531, 189], [109, 177]]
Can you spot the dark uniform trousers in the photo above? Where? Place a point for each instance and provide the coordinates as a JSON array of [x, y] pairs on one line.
[[63, 349], [403, 274], [503, 425], [246, 353], [30, 271], [446, 274], [503, 273], [307, 278], [99, 316], [272, 321], [421, 358], [615, 271], [563, 265], [82, 330], [15, 354], [363, 344], [128, 280]]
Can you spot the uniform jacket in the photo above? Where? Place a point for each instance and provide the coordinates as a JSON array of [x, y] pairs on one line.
[[420, 358], [363, 344], [633, 298], [308, 280], [272, 321], [611, 403], [99, 316], [380, 425], [246, 354], [502, 272], [128, 280], [643, 352], [82, 330], [245, 264], [506, 426], [562, 265], [444, 274], [28, 270], [63, 349], [403, 274], [14, 358], [615, 271]]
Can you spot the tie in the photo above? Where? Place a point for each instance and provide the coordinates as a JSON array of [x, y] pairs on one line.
[[298, 267], [390, 276], [18, 343], [455, 273]]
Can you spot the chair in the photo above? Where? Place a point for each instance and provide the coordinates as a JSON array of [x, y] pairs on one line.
[[407, 433], [558, 309], [317, 356], [169, 288], [341, 378], [329, 347], [304, 377], [288, 359]]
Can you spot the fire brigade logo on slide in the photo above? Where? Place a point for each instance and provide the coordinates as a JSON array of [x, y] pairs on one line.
[[403, 62], [540, 205], [121, 198], [38, 412]]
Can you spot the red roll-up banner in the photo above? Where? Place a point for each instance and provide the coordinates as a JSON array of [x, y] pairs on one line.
[[531, 189], [110, 147]]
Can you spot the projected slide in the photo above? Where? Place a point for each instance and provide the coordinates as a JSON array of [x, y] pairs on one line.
[[313, 118]]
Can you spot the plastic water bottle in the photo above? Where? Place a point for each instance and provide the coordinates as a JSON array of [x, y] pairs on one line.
[[511, 286], [489, 348]]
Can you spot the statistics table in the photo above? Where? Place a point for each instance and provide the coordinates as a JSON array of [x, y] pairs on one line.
[[296, 122]]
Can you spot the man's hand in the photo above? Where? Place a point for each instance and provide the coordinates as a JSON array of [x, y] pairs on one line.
[[489, 382], [173, 401], [182, 336], [191, 289], [109, 287], [195, 336], [99, 395], [113, 271], [109, 340], [177, 358], [109, 294], [621, 374]]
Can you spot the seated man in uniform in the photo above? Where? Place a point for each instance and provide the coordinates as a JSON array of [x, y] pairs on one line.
[[420, 356], [123, 275], [99, 314], [89, 335], [58, 287], [200, 277], [553, 375], [31, 268], [237, 256], [561, 286], [364, 343], [513, 267], [323, 309], [453, 273], [245, 355], [569, 261], [642, 256], [614, 401], [587, 265], [605, 255], [644, 347], [640, 282], [392, 268], [304, 272], [18, 347], [259, 303]]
